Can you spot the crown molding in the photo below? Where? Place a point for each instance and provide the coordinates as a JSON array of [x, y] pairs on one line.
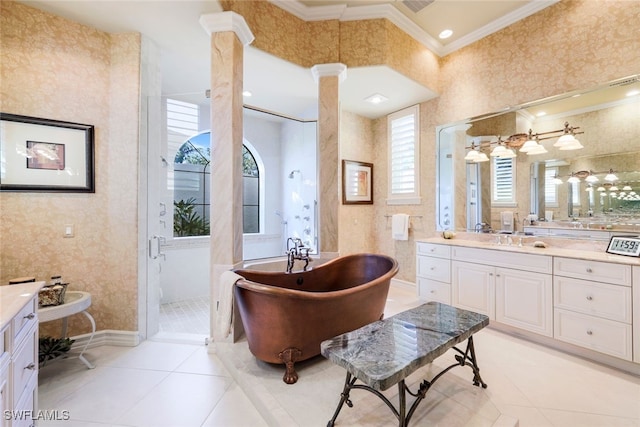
[[227, 21], [497, 25], [328, 70], [391, 13]]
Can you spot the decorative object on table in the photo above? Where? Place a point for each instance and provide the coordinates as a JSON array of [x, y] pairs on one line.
[[624, 245], [46, 155], [448, 234], [357, 179], [52, 294], [51, 348]]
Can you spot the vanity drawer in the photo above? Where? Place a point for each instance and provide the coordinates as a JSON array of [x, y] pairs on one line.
[[431, 290], [500, 258], [25, 363], [27, 317], [440, 251], [605, 336], [5, 338], [434, 268], [616, 274], [598, 299]]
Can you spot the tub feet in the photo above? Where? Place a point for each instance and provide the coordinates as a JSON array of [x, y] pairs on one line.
[[289, 357]]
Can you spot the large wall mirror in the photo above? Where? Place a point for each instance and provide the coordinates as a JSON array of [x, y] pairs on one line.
[[488, 179]]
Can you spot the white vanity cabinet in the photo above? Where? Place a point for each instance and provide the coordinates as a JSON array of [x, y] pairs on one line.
[[5, 395], [593, 307], [511, 288], [433, 272], [18, 354]]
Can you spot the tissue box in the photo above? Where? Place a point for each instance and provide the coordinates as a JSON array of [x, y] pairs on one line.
[[52, 295]]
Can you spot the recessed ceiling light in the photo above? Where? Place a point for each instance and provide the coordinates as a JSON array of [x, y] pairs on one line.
[[376, 99], [246, 93], [633, 92], [445, 34]]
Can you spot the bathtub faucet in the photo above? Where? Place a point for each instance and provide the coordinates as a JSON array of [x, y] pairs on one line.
[[296, 250]]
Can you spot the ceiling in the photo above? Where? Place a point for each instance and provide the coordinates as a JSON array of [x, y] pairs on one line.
[[280, 86]]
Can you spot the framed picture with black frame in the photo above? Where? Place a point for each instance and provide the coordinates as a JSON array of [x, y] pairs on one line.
[[357, 181], [42, 155]]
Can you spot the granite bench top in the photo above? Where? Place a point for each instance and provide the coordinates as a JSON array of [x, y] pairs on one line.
[[385, 352]]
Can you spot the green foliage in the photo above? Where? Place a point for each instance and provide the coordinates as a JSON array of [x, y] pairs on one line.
[[249, 166], [189, 153], [186, 221], [51, 348]]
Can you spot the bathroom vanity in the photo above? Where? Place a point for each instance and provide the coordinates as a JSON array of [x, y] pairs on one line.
[[571, 295], [18, 353]]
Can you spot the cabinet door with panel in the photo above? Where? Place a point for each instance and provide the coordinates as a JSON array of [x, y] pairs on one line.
[[525, 300], [473, 287]]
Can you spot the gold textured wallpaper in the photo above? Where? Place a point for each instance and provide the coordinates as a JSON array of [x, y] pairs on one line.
[[570, 45], [56, 69]]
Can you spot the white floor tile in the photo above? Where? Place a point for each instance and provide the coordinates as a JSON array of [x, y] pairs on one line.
[[178, 383], [234, 410], [179, 400]]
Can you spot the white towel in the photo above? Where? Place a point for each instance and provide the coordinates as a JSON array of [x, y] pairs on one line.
[[224, 315], [400, 227], [506, 220]]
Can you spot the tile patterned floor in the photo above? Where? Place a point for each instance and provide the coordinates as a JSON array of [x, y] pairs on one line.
[[187, 385], [189, 316]]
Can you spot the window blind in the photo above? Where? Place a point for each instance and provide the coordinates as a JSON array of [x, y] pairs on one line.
[[403, 153], [503, 180], [550, 188]]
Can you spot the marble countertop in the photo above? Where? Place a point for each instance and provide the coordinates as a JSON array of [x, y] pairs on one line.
[[14, 297], [383, 353], [580, 249]]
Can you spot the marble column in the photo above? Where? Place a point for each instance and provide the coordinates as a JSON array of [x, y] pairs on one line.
[[229, 34], [329, 77]]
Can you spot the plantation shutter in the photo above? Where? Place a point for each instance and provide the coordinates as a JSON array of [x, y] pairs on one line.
[[503, 180], [403, 141], [550, 188]]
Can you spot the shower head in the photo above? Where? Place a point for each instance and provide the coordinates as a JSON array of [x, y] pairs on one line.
[[293, 172]]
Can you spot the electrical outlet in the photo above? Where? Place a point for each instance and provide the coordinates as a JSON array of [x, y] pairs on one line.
[[68, 230]]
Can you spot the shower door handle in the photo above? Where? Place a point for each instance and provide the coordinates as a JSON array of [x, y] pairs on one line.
[[155, 251]]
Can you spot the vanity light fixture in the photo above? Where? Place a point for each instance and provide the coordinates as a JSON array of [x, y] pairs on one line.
[[611, 176], [481, 158], [613, 188], [626, 188], [567, 140], [600, 189], [573, 179], [557, 181], [591, 178]]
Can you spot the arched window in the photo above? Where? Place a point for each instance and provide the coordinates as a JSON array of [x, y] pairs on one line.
[[192, 174]]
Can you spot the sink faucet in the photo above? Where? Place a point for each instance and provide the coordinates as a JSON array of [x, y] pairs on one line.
[[296, 251]]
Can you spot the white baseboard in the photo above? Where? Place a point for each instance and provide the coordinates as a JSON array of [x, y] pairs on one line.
[[107, 337]]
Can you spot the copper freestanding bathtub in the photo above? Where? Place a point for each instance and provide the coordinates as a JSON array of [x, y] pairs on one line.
[[287, 315]]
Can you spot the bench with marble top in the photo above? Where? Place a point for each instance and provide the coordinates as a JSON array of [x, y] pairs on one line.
[[384, 353]]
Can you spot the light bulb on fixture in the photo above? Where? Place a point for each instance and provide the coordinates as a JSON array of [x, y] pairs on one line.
[[557, 180], [573, 179], [471, 155], [611, 176], [537, 150], [498, 151], [601, 189], [591, 178], [481, 158], [613, 188], [627, 188]]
